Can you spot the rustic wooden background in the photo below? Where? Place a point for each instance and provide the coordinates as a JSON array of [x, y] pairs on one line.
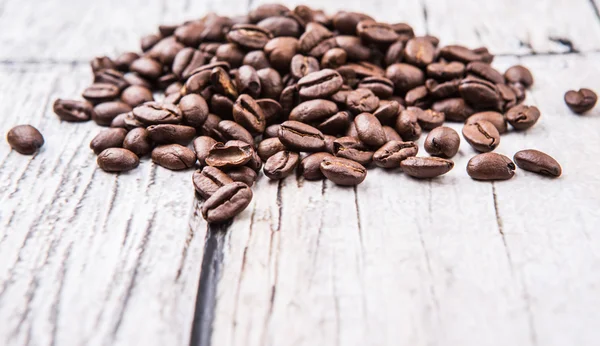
[[89, 258]]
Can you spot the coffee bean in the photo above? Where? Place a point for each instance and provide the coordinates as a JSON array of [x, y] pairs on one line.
[[281, 51], [369, 130], [272, 131], [101, 92], [135, 79], [281, 26], [455, 109], [269, 147], [346, 22], [167, 30], [147, 68], [194, 110], [443, 142], [374, 32], [491, 166], [202, 146], [227, 202], [25, 139], [190, 34], [393, 152], [303, 65], [387, 111], [485, 71], [479, 92], [380, 86], [165, 50], [272, 110], [538, 162], [418, 97], [329, 143], [174, 157], [522, 117], [124, 60], [126, 121], [430, 119], [221, 106], [110, 138], [247, 81], [148, 41], [111, 76], [298, 136], [419, 51], [229, 53], [310, 166], [72, 110], [138, 142], [231, 130], [361, 101], [426, 167], [336, 124], [343, 171], [248, 113], [249, 36], [495, 118], [407, 124], [170, 133], [155, 113], [186, 61], [223, 83], [117, 160], [353, 47], [519, 74], [581, 101], [404, 30], [227, 156], [394, 53], [461, 54], [281, 165], [270, 83], [446, 71], [442, 90], [104, 113], [352, 148], [101, 63], [243, 174], [313, 111], [208, 180], [265, 11], [257, 59], [507, 95], [135, 95], [320, 84], [481, 135], [334, 58], [316, 40], [405, 77], [391, 134]]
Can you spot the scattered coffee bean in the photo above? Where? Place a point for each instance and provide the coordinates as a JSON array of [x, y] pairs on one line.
[[491, 166], [393, 152], [443, 142], [522, 117], [227, 202], [320, 84], [497, 119], [202, 146], [194, 110], [174, 157], [269, 147], [229, 155], [281, 165], [310, 166], [208, 180], [519, 74], [362, 100], [426, 167], [101, 92], [106, 112], [481, 135], [248, 113], [117, 160], [343, 171], [138, 142], [537, 162], [301, 137], [170, 133], [243, 174], [581, 101], [407, 124], [430, 119], [352, 148], [110, 138], [135, 95], [25, 139], [72, 110]]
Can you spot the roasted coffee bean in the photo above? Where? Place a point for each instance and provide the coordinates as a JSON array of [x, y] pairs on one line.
[[391, 134], [194, 110], [227, 202], [351, 131], [393, 152], [229, 155], [170, 133], [405, 77], [126, 121], [320, 84], [101, 92], [353, 47], [519, 74], [316, 40], [243, 174], [186, 61], [519, 90], [369, 130], [298, 136], [247, 81], [148, 41], [281, 26], [229, 53], [380, 86], [101, 63], [136, 95], [455, 109], [419, 51], [481, 135], [167, 30], [208, 180], [404, 30], [446, 71], [491, 166], [426, 167], [135, 79], [119, 121], [272, 110], [190, 34], [479, 92], [165, 50], [443, 142], [417, 97], [341, 96], [267, 10], [336, 124], [110, 138], [310, 166], [281, 51], [387, 111], [269, 147], [72, 110], [147, 68], [110, 76], [223, 83], [485, 71], [249, 36], [430, 119], [25, 139], [346, 22], [221, 106], [165, 80], [460, 53], [407, 124], [257, 59], [329, 143], [202, 146], [272, 131], [138, 142], [281, 165], [508, 96], [380, 33], [117, 160], [443, 90], [334, 58], [538, 162], [352, 148], [270, 83], [581, 101], [522, 117], [248, 113], [394, 53], [313, 111], [104, 113], [174, 157], [343, 171], [231, 130], [495, 118], [303, 65], [155, 113], [362, 100]]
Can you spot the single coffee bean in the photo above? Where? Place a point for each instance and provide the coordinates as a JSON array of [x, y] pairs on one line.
[[174, 157], [581, 101], [538, 162], [110, 138], [426, 167], [442, 142], [313, 111], [123, 61], [391, 134], [507, 95], [280, 52], [135, 95], [446, 71], [135, 79], [519, 90], [138, 142], [165, 50], [393, 152], [387, 111], [302, 66], [167, 30], [405, 77], [329, 143], [111, 76], [231, 130], [407, 124], [491, 166], [147, 68], [353, 149], [227, 202], [186, 61], [298, 136], [129, 121], [247, 81], [229, 155], [248, 113], [281, 26], [522, 117], [419, 51], [369, 130], [497, 119], [441, 90], [223, 83], [334, 58], [341, 96], [481, 135], [336, 124], [117, 160], [148, 41], [104, 113], [265, 11], [190, 34], [310, 166], [194, 110], [272, 131], [485, 71], [249, 36], [101, 92], [479, 92], [25, 139], [281, 165], [271, 84], [155, 113], [461, 54], [346, 22], [170, 133], [320, 84], [269, 147], [208, 180], [361, 101], [257, 59], [202, 146], [316, 40], [365, 69], [272, 110], [455, 109], [353, 47], [221, 106], [101, 63], [379, 33], [243, 174], [72, 110], [343, 171], [519, 74], [394, 53], [119, 121], [430, 119], [380, 86]]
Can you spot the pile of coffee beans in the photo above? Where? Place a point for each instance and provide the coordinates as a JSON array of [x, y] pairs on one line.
[[284, 90]]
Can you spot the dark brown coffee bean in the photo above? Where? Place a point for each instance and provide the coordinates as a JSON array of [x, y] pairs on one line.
[[519, 74], [167, 30], [269, 147], [313, 111], [174, 157], [519, 90], [446, 71], [430, 119], [426, 167], [249, 36], [138, 142], [394, 53], [479, 92], [352, 148], [190, 34], [110, 76], [393, 152], [272, 131], [155, 113], [404, 30], [248, 113], [495, 118], [581, 101], [25, 139], [281, 26], [72, 110], [380, 86], [202, 146], [147, 68], [148, 41], [265, 11], [336, 124], [229, 155], [303, 65], [117, 160], [186, 61], [101, 92], [194, 110], [369, 130], [485, 71], [281, 51], [346, 22], [407, 124], [443, 142], [136, 95], [508, 96], [405, 77], [320, 84], [341, 96], [231, 130], [419, 51], [247, 81], [334, 58], [135, 79], [460, 53], [257, 59], [374, 32], [221, 106], [387, 111], [343, 171], [104, 113], [216, 27], [455, 109], [101, 63], [165, 50], [361, 101], [243, 174], [353, 47], [272, 110], [110, 138], [227, 202], [481, 135], [522, 117], [364, 69], [229, 53], [223, 83], [310, 166], [538, 162], [491, 166], [126, 121], [391, 134], [170, 133], [443, 90], [316, 40], [329, 146], [298, 136], [270, 83], [208, 180], [418, 97], [281, 165]]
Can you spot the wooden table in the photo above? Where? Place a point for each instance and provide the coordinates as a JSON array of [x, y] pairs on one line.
[[89, 258]]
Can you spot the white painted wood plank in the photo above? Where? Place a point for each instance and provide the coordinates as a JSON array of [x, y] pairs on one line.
[[89, 257]]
